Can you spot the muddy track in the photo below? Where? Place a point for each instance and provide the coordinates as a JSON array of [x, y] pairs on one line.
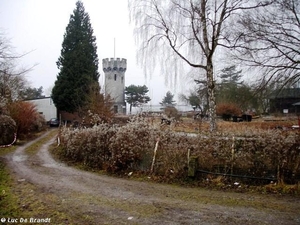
[[100, 199]]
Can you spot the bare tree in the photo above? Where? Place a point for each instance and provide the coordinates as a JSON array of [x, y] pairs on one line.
[[186, 31], [269, 39], [12, 80], [11, 85]]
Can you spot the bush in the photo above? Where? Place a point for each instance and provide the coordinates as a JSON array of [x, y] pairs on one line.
[[26, 117], [8, 129], [132, 145], [172, 113], [171, 160], [89, 146], [273, 154], [269, 154], [227, 110]]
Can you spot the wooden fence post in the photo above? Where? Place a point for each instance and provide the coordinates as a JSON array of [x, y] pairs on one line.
[[154, 155], [193, 164]]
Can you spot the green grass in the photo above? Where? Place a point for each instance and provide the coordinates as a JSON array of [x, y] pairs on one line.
[[32, 149], [8, 201], [4, 151], [24, 200]]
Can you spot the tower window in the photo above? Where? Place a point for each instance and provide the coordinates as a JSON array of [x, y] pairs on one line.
[[115, 76], [122, 79]]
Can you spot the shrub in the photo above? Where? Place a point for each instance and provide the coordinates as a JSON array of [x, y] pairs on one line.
[[172, 113], [226, 110], [121, 120], [26, 117], [89, 146], [132, 145], [99, 108], [7, 129], [269, 154], [273, 154]]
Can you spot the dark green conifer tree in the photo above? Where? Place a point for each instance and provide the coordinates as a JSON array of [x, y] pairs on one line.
[[168, 100], [78, 64]]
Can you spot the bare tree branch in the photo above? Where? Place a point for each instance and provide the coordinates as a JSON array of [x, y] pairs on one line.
[[270, 40], [12, 80]]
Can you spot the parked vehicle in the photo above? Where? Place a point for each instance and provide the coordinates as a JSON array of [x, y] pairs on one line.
[[54, 122]]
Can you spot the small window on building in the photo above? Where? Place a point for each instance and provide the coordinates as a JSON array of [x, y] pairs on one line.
[[115, 76], [122, 79]]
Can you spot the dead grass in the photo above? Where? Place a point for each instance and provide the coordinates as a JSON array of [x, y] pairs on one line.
[[195, 126]]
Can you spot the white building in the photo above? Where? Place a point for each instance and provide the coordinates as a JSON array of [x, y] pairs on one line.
[[45, 107]]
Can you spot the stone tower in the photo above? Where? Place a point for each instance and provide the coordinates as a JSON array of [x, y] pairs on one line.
[[114, 70]]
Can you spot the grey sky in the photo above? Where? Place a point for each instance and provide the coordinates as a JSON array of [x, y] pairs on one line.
[[39, 26]]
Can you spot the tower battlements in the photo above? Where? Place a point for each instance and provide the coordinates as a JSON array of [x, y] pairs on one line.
[[113, 64]]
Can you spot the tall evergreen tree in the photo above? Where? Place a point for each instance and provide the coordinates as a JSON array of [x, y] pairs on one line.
[[230, 75], [78, 64], [230, 86]]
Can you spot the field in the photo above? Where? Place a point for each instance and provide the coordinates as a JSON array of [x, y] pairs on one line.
[[265, 123]]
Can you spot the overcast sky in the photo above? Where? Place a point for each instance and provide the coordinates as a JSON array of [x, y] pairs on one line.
[[39, 26]]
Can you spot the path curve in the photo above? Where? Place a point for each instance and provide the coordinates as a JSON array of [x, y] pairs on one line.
[[109, 200]]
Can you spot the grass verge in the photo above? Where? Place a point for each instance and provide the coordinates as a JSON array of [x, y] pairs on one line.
[[8, 201]]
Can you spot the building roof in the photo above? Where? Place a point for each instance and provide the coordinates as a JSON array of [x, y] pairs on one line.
[[33, 99], [286, 93]]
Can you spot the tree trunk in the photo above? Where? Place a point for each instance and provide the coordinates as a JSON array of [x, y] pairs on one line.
[[211, 97]]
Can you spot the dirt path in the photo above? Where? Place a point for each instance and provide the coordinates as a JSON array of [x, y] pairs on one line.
[[100, 199]]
